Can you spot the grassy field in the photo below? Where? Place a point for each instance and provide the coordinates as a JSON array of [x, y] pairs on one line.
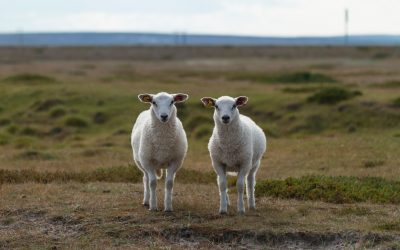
[[330, 177]]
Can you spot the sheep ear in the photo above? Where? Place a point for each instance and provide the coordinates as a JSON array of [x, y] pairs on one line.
[[180, 97], [145, 97], [241, 100], [208, 102]]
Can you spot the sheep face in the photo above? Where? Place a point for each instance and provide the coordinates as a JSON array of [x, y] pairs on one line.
[[162, 104], [226, 107]]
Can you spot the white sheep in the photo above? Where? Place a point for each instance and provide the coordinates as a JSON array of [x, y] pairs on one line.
[[159, 141], [236, 145]]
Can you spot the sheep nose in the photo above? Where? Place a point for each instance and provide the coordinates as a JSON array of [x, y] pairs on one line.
[[225, 119], [164, 117]]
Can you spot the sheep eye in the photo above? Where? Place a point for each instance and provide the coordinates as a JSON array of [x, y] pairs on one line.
[[234, 106], [154, 103], [216, 107], [172, 102]]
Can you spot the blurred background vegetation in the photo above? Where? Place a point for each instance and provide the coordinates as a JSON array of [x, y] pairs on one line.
[[325, 110]]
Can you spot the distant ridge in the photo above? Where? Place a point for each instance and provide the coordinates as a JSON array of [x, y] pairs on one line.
[[121, 39]]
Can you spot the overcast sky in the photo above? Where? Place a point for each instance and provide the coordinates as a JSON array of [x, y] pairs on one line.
[[239, 17]]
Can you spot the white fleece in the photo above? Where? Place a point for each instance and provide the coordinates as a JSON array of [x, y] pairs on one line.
[[158, 145], [236, 147]]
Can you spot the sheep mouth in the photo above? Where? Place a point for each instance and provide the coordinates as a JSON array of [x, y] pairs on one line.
[[225, 121]]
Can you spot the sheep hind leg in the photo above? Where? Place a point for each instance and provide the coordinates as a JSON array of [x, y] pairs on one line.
[[240, 183], [228, 202], [250, 184], [146, 187]]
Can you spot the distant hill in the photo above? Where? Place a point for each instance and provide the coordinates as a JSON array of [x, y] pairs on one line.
[[80, 39]]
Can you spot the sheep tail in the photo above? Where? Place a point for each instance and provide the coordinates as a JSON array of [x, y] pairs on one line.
[[159, 173]]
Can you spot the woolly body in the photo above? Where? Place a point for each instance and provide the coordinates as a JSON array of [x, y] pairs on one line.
[[158, 145], [236, 145]]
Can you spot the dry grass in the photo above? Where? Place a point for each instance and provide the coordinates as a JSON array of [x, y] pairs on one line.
[[67, 112], [96, 215]]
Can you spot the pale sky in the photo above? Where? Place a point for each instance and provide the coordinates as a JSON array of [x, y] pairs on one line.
[[235, 17]]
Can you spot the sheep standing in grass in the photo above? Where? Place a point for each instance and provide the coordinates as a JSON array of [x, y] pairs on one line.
[[159, 141], [236, 145]]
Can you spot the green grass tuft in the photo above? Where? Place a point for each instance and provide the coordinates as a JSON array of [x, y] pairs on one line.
[[296, 77], [34, 155], [77, 122], [303, 77], [29, 131], [12, 129], [389, 84], [29, 78], [47, 104], [373, 163], [338, 189], [202, 131], [4, 139], [100, 118], [391, 226], [332, 95], [295, 90], [192, 122], [113, 174], [57, 112], [4, 121], [396, 102]]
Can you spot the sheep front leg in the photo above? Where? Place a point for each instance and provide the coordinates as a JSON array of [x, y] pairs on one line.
[[240, 184], [152, 179], [222, 185], [146, 195], [169, 184]]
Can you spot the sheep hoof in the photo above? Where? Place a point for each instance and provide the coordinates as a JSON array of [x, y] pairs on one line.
[[252, 208], [146, 204], [240, 212], [168, 210], [223, 212], [153, 209]]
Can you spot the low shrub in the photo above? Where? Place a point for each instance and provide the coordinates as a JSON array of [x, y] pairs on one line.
[[389, 84], [196, 120], [77, 122], [4, 122], [47, 104], [100, 118], [12, 129], [57, 112], [4, 139], [396, 102], [202, 131], [332, 95], [34, 155], [334, 189], [29, 131], [373, 163], [296, 77], [29, 78], [303, 77], [295, 90], [130, 174]]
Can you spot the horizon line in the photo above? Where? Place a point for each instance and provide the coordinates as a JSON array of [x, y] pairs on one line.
[[184, 33]]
